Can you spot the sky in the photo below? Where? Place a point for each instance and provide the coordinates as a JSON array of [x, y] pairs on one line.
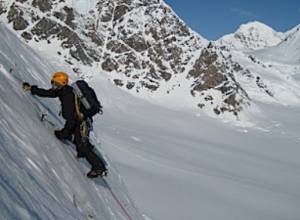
[[215, 18]]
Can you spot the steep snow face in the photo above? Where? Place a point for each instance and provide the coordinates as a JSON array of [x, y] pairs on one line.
[[40, 177], [272, 80], [251, 36], [292, 45], [288, 50]]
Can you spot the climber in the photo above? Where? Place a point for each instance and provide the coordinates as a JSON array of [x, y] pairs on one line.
[[76, 125]]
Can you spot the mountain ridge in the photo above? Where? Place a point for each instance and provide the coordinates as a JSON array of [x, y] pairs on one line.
[[145, 49]]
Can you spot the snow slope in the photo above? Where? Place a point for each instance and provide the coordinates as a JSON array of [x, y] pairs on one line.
[[287, 51], [182, 165], [40, 177]]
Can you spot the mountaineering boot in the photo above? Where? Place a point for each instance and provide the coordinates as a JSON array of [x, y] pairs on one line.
[[95, 173]]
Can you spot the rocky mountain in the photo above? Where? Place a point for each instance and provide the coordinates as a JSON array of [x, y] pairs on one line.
[[214, 69], [251, 36], [144, 48], [138, 39]]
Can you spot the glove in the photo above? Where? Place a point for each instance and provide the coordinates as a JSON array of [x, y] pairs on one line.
[[26, 86], [59, 134]]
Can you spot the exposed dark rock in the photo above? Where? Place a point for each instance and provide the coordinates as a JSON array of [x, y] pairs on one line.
[[237, 67], [105, 10], [120, 10], [80, 55], [77, 50], [68, 37], [45, 28], [69, 62], [154, 33], [137, 43], [95, 38], [152, 74], [149, 86], [174, 56], [206, 68], [110, 65], [26, 35], [263, 86], [43, 5], [130, 85], [184, 31], [156, 54], [15, 15], [59, 15], [166, 76], [200, 105], [93, 54], [118, 82], [76, 70], [131, 61], [231, 100], [217, 111], [208, 98], [117, 47], [70, 17]]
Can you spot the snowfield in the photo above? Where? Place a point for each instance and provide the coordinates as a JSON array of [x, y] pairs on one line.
[[180, 165]]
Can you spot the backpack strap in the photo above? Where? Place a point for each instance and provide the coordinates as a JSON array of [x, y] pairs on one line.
[[77, 107], [84, 131]]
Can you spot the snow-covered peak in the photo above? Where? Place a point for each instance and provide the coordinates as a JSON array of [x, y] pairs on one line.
[[252, 36], [255, 25]]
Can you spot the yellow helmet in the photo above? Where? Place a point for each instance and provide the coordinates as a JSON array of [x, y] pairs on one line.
[[60, 78]]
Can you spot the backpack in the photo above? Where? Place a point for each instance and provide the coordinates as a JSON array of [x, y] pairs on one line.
[[86, 101]]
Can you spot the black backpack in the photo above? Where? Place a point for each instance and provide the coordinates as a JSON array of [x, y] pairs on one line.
[[86, 100]]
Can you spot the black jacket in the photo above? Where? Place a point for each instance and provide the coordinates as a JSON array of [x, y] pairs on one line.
[[67, 99]]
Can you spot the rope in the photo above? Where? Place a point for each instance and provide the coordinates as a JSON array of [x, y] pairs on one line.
[[117, 200]]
